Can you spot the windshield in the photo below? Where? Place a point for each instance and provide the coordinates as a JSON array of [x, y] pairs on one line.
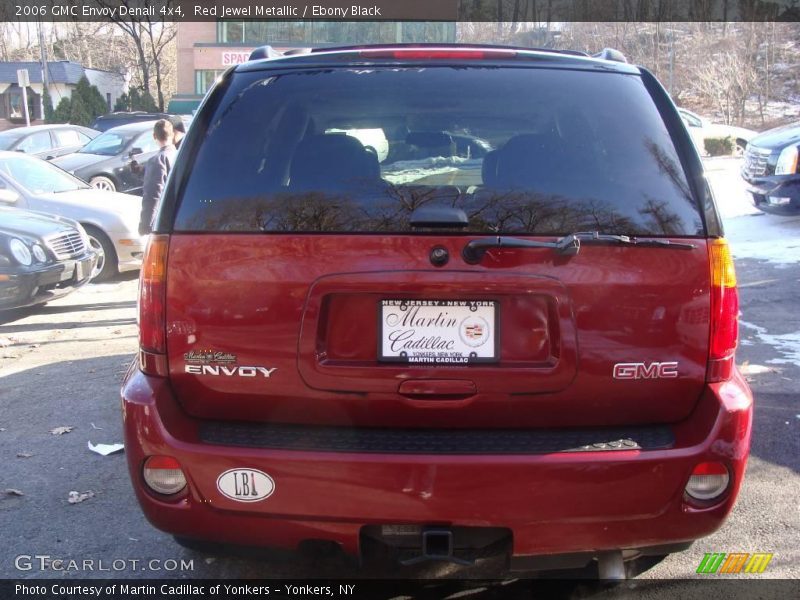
[[8, 139], [38, 176], [518, 150], [108, 144]]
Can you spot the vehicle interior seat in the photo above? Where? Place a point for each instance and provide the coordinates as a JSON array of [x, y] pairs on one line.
[[336, 162]]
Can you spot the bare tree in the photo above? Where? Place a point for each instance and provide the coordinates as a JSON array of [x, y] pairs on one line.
[[150, 37]]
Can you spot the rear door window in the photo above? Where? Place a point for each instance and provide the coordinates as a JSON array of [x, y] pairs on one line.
[[519, 150], [36, 142], [68, 137]]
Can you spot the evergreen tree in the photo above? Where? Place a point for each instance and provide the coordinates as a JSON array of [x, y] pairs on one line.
[[84, 105], [47, 101], [140, 100], [80, 112], [62, 112], [123, 104]]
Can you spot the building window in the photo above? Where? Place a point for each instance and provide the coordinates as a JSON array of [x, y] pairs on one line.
[[230, 32], [204, 79], [15, 109]]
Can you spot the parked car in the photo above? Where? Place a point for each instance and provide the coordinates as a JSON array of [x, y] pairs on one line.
[[116, 119], [114, 160], [702, 129], [111, 219], [772, 172], [47, 141], [534, 358], [42, 257]]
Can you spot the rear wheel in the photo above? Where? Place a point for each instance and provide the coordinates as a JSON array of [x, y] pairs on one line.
[[106, 255], [102, 182]]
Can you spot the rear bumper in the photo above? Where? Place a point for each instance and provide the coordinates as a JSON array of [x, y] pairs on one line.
[[775, 194], [555, 503]]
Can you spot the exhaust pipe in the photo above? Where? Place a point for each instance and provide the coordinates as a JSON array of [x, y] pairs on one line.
[[610, 566]]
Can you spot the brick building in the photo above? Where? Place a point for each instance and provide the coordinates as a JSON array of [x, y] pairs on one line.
[[206, 49]]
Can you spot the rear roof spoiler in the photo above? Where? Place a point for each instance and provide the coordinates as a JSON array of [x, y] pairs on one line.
[[264, 52], [611, 54]]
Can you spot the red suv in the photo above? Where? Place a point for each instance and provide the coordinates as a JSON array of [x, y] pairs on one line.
[[357, 331]]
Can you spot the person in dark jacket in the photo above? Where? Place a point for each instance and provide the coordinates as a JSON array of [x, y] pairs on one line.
[[155, 173], [179, 130]]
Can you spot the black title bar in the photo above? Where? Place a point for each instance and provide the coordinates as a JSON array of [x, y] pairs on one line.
[[395, 10]]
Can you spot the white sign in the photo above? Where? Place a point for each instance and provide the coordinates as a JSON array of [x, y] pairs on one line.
[[234, 58], [23, 80], [439, 332]]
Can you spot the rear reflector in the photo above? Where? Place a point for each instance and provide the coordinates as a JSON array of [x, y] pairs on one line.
[[152, 306], [708, 481], [163, 474], [435, 54], [724, 312]]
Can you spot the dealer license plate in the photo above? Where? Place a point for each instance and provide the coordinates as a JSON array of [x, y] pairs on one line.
[[438, 332]]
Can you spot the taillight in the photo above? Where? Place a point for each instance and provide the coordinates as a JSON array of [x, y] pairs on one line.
[[708, 481], [152, 307], [724, 312], [164, 475], [440, 54]]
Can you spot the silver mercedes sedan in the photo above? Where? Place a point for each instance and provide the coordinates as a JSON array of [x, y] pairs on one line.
[[111, 219]]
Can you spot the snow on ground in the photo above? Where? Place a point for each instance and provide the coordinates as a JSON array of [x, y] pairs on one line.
[[755, 235], [751, 233], [787, 344], [408, 171]]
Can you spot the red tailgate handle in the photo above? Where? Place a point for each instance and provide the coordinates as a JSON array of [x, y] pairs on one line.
[[434, 389]]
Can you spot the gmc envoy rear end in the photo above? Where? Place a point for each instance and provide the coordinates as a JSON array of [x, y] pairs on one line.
[[439, 303]]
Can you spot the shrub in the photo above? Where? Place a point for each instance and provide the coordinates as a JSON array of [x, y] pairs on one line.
[[720, 146]]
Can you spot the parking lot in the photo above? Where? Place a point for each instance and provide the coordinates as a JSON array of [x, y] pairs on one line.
[[61, 366]]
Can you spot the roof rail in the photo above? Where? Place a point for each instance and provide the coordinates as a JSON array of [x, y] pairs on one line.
[[611, 54], [414, 45], [296, 51], [264, 52]]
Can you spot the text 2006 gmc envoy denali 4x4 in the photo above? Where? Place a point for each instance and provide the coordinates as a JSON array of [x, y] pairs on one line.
[[510, 328]]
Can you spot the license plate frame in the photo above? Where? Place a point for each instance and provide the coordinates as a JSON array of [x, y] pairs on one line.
[[466, 331], [83, 269]]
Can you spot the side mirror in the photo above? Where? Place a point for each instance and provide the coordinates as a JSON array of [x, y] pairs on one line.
[[8, 196], [19, 150], [134, 152]]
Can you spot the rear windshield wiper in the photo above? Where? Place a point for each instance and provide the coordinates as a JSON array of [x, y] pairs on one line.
[[568, 245]]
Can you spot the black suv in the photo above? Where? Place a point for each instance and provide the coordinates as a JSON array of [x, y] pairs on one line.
[[106, 122], [771, 170]]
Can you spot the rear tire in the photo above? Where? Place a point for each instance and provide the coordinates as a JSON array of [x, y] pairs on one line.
[[101, 182], [106, 255]]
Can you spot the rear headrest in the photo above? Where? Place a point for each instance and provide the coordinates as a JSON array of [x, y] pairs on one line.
[[528, 159], [332, 161]]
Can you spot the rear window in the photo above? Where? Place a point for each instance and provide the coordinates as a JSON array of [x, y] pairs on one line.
[[519, 150]]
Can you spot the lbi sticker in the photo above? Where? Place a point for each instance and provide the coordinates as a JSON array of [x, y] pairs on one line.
[[245, 485]]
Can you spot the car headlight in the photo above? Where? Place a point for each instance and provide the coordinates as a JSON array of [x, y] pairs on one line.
[[38, 253], [787, 161], [20, 251]]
